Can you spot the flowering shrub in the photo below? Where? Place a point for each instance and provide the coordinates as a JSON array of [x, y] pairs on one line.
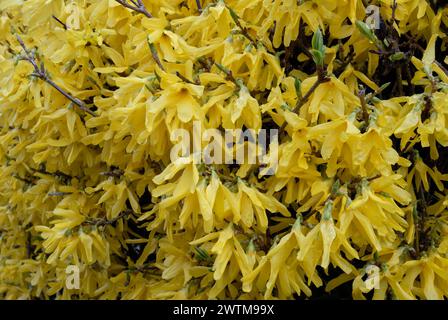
[[93, 91]]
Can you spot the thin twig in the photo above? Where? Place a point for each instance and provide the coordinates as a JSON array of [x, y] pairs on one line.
[[23, 179], [117, 173], [244, 30], [399, 80], [426, 112], [422, 50], [104, 222], [229, 75], [57, 174], [206, 63], [407, 74], [183, 78], [394, 8], [422, 217], [347, 60], [370, 96], [198, 3], [321, 78], [364, 110], [58, 193], [137, 6], [301, 41], [62, 23], [41, 73], [155, 55], [309, 93], [29, 246]]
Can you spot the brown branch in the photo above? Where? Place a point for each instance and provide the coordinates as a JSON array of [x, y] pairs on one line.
[[42, 74], [58, 193], [309, 93], [321, 78], [183, 78], [394, 8], [364, 110], [345, 62], [206, 63], [441, 67], [426, 113], [399, 82], [407, 74], [137, 6], [62, 23], [58, 174], [244, 30], [104, 222], [23, 179], [198, 3], [302, 40], [117, 173], [29, 245], [421, 223], [146, 269], [422, 50], [155, 55], [229, 75]]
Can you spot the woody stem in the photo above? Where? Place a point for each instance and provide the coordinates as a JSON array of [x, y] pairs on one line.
[[42, 74]]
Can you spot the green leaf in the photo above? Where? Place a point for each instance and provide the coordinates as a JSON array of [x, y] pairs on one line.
[[201, 254], [384, 86], [318, 48], [297, 223], [397, 56], [335, 187], [366, 31], [298, 86], [251, 246], [317, 43], [415, 211]]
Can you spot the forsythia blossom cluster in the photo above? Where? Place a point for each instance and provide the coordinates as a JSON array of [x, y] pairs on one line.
[[93, 91]]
